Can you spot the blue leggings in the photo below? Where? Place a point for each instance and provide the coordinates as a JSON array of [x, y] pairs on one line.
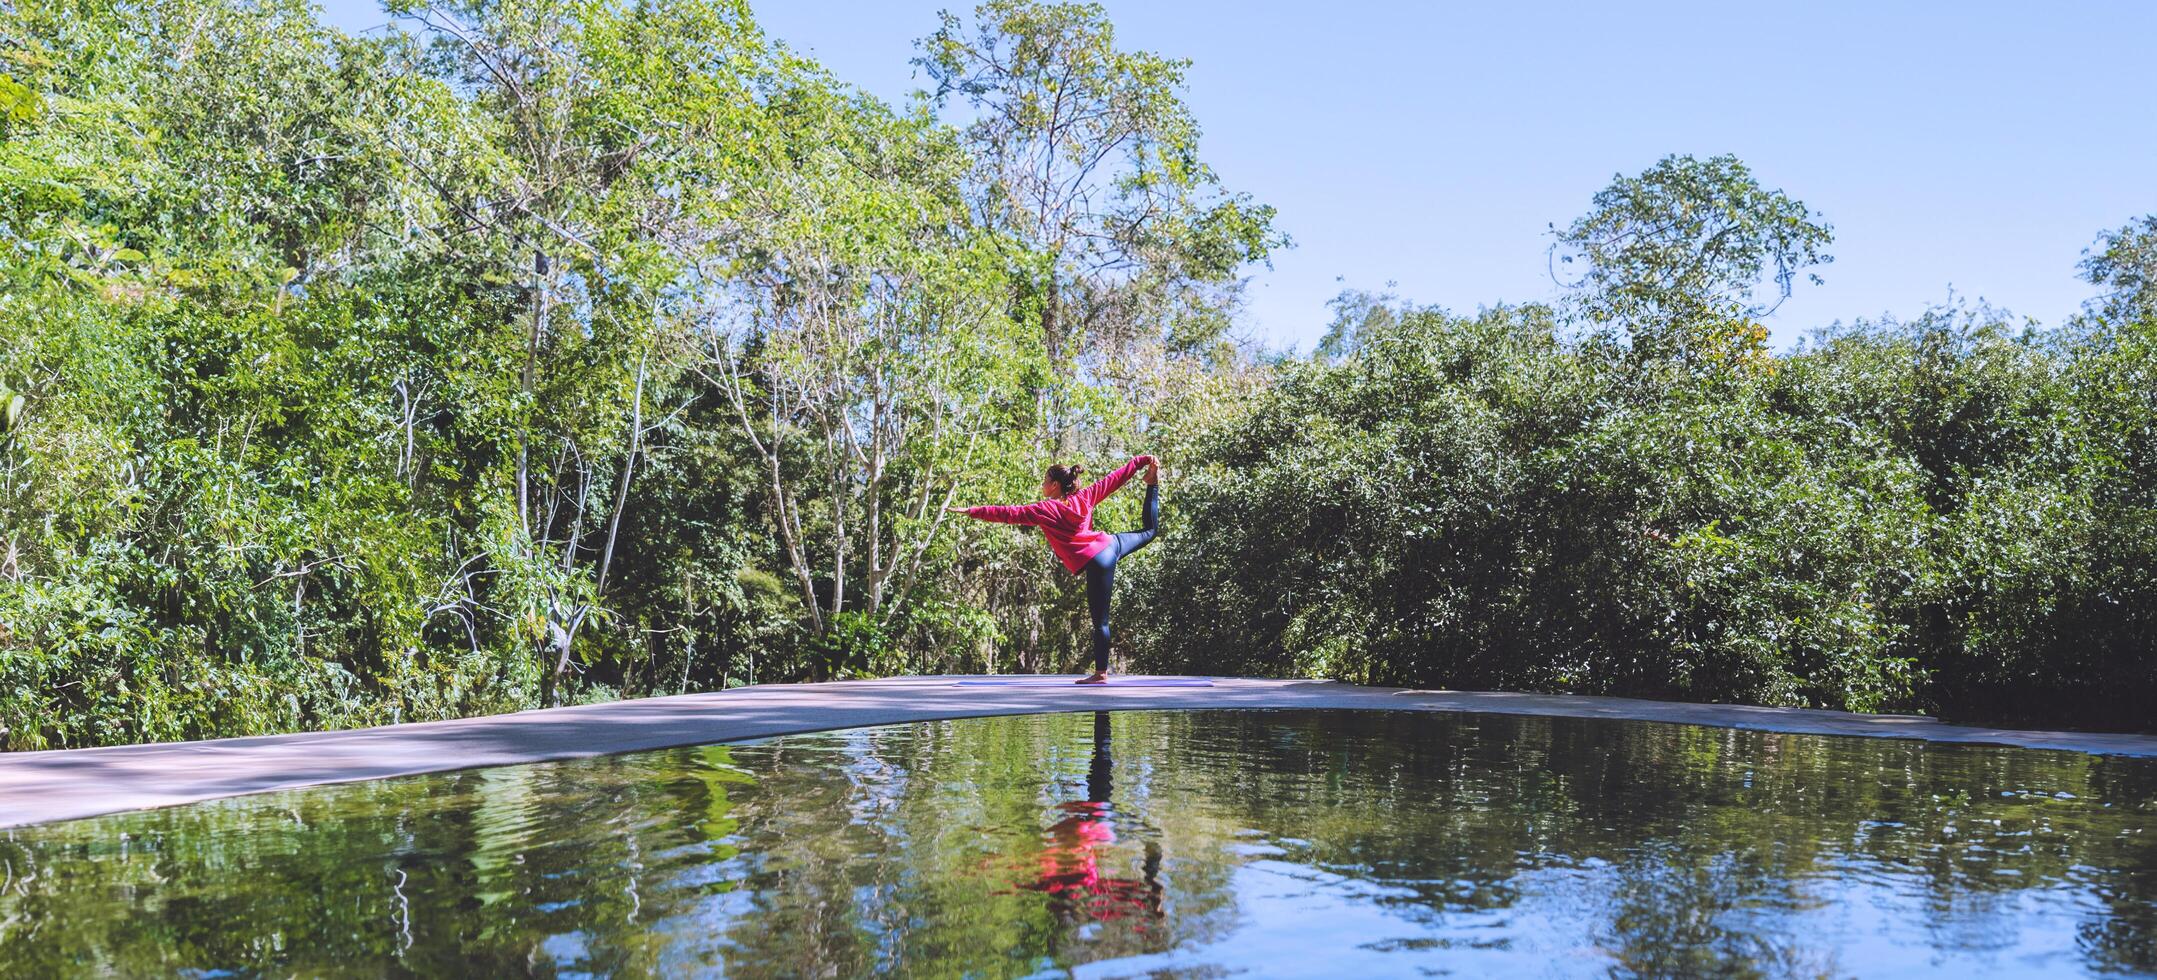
[[1101, 572]]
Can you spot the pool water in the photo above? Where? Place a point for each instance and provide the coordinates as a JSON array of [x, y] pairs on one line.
[[1208, 843]]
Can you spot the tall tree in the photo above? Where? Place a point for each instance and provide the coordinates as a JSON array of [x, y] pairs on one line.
[[1676, 254], [863, 343], [1087, 165], [585, 167]]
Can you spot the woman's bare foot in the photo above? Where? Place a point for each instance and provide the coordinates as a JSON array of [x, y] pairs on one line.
[[1097, 677]]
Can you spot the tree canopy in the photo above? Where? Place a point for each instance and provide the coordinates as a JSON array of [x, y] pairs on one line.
[[540, 351]]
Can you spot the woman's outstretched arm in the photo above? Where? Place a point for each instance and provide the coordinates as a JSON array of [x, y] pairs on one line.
[[1034, 513], [1099, 490]]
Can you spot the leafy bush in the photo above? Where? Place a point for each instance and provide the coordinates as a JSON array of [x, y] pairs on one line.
[[1944, 515]]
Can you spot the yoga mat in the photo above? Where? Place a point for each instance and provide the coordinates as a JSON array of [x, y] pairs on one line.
[[1069, 682]]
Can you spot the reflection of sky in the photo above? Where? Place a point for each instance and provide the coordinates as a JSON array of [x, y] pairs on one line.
[[1295, 920], [1302, 921]]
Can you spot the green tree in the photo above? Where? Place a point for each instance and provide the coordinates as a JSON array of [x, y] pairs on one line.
[[861, 341], [2123, 264], [585, 163], [1675, 255], [1088, 164]]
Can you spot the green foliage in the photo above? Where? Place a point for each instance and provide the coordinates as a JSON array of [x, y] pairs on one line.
[[1086, 155], [2123, 264], [532, 353], [854, 645], [1674, 254], [1946, 515]]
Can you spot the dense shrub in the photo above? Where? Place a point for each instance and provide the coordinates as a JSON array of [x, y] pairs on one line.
[[1944, 514]]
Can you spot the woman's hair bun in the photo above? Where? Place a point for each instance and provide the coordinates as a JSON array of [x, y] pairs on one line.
[[1066, 476]]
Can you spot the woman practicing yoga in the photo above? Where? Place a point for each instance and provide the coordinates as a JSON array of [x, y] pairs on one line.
[[1065, 516]]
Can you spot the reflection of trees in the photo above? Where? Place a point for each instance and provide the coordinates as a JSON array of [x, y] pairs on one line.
[[1684, 912], [911, 849], [2124, 937], [461, 874]]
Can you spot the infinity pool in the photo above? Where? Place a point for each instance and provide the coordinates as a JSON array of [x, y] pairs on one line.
[[1209, 843]]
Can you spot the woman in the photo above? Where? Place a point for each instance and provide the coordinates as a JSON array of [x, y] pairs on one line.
[[1065, 516]]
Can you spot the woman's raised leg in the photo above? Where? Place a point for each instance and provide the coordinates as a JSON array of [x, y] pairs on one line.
[[1130, 541]]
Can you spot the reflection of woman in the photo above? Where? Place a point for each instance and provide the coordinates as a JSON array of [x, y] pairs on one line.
[[1065, 517], [1070, 868]]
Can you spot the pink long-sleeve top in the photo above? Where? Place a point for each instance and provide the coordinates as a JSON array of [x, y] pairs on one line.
[[1068, 522]]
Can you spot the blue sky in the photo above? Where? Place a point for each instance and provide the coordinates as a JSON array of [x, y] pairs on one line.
[[1974, 146]]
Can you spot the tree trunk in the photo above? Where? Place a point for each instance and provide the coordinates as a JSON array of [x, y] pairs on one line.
[[527, 381]]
